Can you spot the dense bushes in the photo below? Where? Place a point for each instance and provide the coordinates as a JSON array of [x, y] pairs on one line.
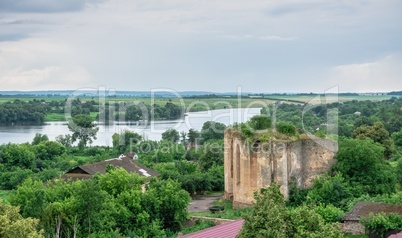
[[377, 177], [260, 122], [191, 177], [286, 128], [381, 223], [271, 218], [23, 112], [110, 202]]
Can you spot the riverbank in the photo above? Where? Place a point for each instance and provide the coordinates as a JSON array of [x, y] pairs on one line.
[[153, 131]]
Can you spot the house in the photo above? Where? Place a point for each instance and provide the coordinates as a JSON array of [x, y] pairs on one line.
[[124, 161], [351, 221], [226, 230], [399, 235]]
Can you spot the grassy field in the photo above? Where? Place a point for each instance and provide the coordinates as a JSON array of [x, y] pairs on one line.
[[62, 117]]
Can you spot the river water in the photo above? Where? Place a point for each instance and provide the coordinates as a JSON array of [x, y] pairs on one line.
[[195, 120]]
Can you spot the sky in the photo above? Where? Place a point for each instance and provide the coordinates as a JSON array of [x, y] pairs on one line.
[[257, 46]]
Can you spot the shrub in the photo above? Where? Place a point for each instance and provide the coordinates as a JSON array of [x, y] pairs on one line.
[[329, 213], [286, 128], [381, 223], [261, 122]]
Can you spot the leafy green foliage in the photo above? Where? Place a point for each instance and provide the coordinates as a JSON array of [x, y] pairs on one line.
[[261, 122], [305, 221], [212, 131], [268, 218], [165, 201], [330, 190], [379, 224], [187, 173], [21, 112], [137, 112], [83, 128], [399, 171], [212, 154], [39, 138], [397, 138], [171, 135], [329, 213], [286, 128], [378, 134], [193, 135], [14, 225], [361, 163], [113, 203], [126, 140], [271, 218]]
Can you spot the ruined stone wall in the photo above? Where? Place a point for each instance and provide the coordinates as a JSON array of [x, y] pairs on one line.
[[251, 166], [353, 228]]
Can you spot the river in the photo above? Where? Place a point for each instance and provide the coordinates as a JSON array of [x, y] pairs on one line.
[[195, 120]]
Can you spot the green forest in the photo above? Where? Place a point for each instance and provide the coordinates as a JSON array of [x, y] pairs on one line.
[[189, 163]]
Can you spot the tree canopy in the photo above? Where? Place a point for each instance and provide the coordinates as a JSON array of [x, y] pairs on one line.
[[361, 163], [171, 135], [83, 128]]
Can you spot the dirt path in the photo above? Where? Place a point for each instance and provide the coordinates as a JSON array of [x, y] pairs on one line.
[[202, 203]]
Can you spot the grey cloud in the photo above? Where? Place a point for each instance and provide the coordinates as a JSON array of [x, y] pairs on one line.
[[43, 6], [334, 7], [18, 22], [12, 37]]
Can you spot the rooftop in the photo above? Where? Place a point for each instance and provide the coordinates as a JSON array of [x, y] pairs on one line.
[[226, 230], [127, 163], [363, 209]]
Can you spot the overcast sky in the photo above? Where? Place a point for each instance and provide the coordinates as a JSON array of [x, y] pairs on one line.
[[201, 45]]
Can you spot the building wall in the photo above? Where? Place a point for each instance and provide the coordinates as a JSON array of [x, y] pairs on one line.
[[251, 166], [353, 228]]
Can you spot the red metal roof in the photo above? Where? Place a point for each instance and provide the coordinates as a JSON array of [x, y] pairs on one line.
[[399, 235], [226, 230]]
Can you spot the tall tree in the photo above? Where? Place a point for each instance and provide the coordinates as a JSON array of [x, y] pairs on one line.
[[126, 140], [271, 218], [212, 130], [83, 128], [193, 135], [171, 135], [361, 163], [377, 133], [39, 138], [14, 225]]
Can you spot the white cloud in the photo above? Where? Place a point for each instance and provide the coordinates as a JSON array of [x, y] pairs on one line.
[[382, 75], [35, 64], [264, 38], [150, 43]]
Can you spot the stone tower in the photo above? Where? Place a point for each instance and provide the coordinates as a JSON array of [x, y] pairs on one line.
[[250, 166]]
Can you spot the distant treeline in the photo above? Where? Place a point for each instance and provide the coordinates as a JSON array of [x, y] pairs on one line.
[[351, 114], [395, 93], [20, 111], [141, 111]]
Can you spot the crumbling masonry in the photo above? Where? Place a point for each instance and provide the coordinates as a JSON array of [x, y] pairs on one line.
[[252, 166]]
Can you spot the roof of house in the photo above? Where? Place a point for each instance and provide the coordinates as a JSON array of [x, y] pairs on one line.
[[226, 230], [399, 235], [130, 165], [363, 209]]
